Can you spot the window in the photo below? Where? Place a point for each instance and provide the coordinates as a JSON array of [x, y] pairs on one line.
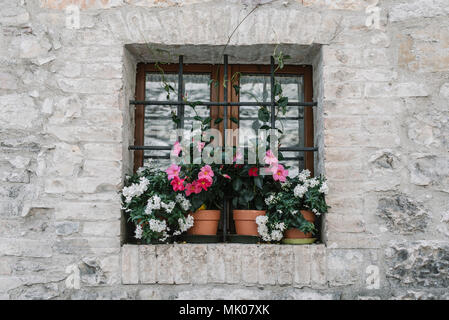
[[205, 82]]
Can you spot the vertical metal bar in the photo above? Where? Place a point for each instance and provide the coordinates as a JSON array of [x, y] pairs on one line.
[[225, 126], [273, 108], [180, 109]]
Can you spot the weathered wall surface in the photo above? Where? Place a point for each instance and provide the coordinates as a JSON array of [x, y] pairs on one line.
[[381, 126]]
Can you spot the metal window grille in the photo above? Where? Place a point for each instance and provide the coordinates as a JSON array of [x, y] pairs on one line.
[[180, 114]]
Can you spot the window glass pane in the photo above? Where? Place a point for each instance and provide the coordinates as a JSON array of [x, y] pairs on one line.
[[257, 88], [158, 123]]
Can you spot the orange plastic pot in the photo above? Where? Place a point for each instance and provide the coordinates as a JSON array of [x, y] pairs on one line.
[[297, 234], [245, 221], [205, 222]]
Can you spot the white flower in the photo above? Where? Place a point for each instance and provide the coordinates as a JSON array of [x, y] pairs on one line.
[[135, 190], [304, 175], [294, 212], [280, 226], [276, 235], [316, 212], [270, 200], [324, 188], [168, 206], [154, 203], [185, 224], [157, 225], [138, 232], [299, 190], [313, 182]]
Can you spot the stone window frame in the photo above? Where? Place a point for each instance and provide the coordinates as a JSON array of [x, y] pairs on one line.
[[216, 72]]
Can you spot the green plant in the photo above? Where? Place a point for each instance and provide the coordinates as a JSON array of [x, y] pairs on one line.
[[157, 211], [299, 193]]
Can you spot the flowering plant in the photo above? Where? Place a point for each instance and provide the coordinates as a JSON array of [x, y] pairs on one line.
[[251, 182], [203, 185], [157, 211], [299, 193]]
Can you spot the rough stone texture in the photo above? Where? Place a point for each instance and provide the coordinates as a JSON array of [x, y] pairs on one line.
[[381, 128]]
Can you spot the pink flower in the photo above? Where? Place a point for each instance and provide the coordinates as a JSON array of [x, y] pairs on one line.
[[173, 171], [176, 149], [226, 176], [206, 173], [200, 145], [204, 183], [238, 156], [197, 187], [269, 158], [178, 184], [190, 188], [280, 174]]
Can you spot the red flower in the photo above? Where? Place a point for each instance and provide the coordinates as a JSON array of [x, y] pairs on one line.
[[253, 172], [177, 184], [204, 183]]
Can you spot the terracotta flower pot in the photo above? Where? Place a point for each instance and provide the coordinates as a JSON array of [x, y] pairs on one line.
[[205, 222], [297, 234], [245, 221]]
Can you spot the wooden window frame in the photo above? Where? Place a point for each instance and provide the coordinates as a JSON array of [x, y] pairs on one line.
[[217, 94]]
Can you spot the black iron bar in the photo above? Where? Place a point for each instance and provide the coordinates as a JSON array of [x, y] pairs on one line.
[[273, 103], [180, 94], [212, 104], [168, 148], [225, 126]]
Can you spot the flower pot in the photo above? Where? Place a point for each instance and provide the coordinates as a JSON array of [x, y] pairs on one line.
[[245, 221], [297, 234], [205, 222]]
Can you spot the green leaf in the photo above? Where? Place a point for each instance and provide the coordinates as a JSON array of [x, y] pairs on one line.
[[237, 184], [233, 119], [198, 118], [237, 89], [263, 115], [258, 181], [259, 203], [277, 89], [282, 102], [207, 120], [218, 120]]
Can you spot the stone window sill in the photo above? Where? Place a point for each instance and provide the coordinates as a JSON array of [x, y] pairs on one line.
[[255, 264]]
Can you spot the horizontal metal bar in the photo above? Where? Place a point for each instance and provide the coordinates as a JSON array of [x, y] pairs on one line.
[[277, 118], [157, 157], [292, 158], [287, 149], [213, 104], [168, 148]]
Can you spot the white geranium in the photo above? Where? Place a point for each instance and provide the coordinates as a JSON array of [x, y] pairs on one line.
[[324, 188], [313, 182], [300, 190], [168, 206], [154, 203], [316, 212], [157, 225], [304, 175], [270, 199], [185, 224], [135, 190], [138, 232]]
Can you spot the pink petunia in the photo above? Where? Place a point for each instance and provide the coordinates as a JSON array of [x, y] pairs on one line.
[[176, 148], [253, 172], [197, 187], [270, 158], [177, 184], [173, 171], [281, 174], [226, 176], [206, 173]]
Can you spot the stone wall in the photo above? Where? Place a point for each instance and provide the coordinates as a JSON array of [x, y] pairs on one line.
[[382, 85]]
